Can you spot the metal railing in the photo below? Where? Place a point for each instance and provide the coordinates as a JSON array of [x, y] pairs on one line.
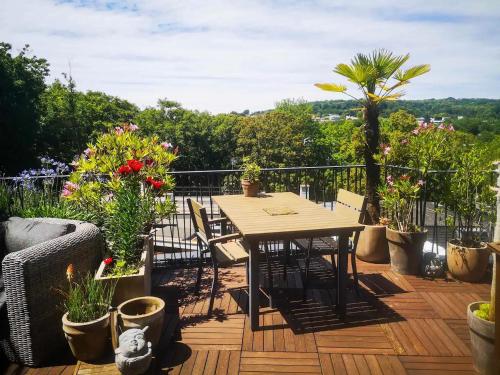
[[175, 244]]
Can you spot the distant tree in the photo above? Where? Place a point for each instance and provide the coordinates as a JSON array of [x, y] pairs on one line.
[[371, 74], [22, 82]]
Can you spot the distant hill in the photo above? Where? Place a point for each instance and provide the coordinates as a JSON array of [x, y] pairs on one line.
[[478, 108]]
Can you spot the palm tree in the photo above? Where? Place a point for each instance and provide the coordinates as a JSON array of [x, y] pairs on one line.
[[379, 77]]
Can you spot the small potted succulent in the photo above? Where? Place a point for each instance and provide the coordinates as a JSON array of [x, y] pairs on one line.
[[250, 178], [406, 240], [471, 200], [86, 323]]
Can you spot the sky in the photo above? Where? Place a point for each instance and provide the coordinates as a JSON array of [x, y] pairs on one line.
[[224, 56]]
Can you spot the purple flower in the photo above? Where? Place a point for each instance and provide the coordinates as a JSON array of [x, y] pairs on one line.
[[133, 127], [118, 130]]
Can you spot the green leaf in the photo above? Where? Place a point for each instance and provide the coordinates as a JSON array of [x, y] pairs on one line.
[[412, 72], [331, 87]]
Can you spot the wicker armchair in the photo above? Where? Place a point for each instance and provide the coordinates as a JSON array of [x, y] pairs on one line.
[[33, 307]]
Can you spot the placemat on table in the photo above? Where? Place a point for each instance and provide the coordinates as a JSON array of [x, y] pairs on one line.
[[275, 211]]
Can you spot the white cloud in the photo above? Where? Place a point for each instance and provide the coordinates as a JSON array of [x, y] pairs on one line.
[[233, 55]]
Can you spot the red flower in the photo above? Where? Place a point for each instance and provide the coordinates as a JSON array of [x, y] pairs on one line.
[[149, 162], [136, 165], [124, 170], [108, 261], [149, 180], [157, 184]]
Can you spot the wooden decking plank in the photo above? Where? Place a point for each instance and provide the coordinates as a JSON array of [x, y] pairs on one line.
[[373, 364], [211, 363], [223, 362], [361, 365], [268, 333], [199, 363], [350, 364], [234, 362]]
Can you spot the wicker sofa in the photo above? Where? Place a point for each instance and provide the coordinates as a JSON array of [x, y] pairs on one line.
[[33, 334]]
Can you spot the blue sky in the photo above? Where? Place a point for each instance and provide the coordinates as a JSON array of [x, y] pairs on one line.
[[234, 55]]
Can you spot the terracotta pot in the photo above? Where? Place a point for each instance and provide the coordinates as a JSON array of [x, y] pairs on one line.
[[131, 286], [372, 245], [482, 339], [467, 263], [88, 341], [250, 189], [406, 251], [141, 312]]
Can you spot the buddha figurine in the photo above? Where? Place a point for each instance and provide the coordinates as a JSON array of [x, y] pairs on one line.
[[133, 355]]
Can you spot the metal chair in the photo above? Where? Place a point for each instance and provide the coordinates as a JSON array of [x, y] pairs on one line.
[[224, 251], [350, 205]]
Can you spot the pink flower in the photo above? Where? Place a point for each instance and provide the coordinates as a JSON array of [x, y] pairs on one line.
[[442, 127], [166, 145], [70, 186], [133, 127], [66, 193], [387, 149], [451, 128], [420, 182], [390, 180], [118, 130], [415, 131]]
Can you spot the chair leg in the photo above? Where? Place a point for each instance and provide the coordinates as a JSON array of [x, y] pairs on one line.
[[355, 272], [308, 261], [286, 256], [215, 280], [334, 264], [199, 274], [269, 272]]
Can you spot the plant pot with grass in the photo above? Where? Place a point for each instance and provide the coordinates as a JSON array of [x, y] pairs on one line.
[[250, 178], [124, 178], [405, 239], [86, 323]]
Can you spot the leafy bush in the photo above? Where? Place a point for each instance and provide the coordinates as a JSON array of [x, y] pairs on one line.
[[251, 171], [483, 312]]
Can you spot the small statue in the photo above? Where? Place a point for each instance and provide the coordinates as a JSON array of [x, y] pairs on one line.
[[133, 355]]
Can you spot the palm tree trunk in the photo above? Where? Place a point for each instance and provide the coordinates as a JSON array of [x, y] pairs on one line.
[[372, 134]]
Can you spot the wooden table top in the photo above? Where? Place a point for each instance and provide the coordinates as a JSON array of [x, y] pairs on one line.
[[252, 216], [495, 247]]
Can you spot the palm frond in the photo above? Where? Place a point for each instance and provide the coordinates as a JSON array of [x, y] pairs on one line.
[[412, 72], [331, 87]]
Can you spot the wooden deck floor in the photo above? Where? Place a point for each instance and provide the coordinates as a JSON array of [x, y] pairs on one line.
[[398, 325]]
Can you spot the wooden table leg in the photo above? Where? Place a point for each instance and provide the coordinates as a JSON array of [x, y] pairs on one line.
[[341, 306], [253, 287]]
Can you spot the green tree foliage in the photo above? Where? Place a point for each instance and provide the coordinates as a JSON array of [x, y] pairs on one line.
[[71, 118], [22, 82], [286, 136]]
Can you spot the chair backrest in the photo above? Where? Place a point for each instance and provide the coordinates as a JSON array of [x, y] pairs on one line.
[[351, 204], [199, 217]]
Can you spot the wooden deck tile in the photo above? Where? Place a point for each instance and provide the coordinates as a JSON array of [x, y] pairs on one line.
[[279, 363], [437, 365]]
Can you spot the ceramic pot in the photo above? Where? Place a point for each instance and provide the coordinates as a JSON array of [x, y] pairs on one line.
[[88, 341], [250, 189], [406, 251], [482, 339], [372, 245], [467, 263], [141, 312]]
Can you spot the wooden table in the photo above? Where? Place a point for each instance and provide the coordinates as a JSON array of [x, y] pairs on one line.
[[309, 220]]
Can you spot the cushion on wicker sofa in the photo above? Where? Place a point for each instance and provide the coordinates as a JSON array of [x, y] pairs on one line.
[[21, 233]]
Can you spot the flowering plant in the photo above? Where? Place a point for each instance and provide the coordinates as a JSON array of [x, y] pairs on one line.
[[123, 177], [399, 196], [251, 170]]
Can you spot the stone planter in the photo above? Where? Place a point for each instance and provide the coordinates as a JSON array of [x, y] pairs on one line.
[[141, 312], [406, 251], [482, 337], [372, 245], [132, 286], [250, 189], [467, 263], [88, 341]]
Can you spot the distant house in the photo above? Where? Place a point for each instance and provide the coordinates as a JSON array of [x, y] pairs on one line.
[[438, 120], [351, 117]]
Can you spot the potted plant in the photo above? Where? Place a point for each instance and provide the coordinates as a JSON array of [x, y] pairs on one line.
[[123, 178], [406, 240], [481, 315], [86, 323], [471, 200], [250, 178]]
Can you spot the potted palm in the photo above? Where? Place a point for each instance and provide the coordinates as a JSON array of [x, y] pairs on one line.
[[471, 198], [86, 323], [406, 240], [250, 178], [123, 178]]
